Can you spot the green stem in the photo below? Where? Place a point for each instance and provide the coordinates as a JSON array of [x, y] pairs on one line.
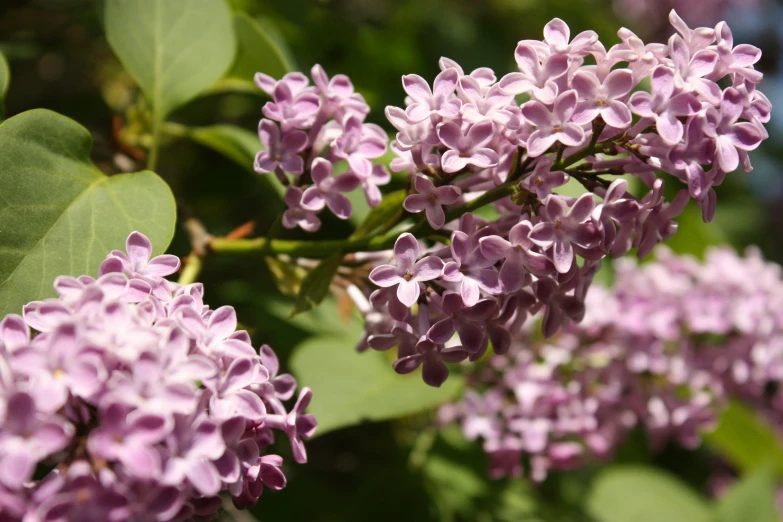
[[321, 249], [191, 270], [152, 159]]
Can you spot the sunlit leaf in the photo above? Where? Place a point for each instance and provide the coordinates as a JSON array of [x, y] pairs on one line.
[[59, 214], [753, 498], [349, 387], [746, 440], [643, 494], [173, 49]]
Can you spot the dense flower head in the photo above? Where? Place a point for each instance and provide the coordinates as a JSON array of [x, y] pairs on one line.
[[309, 128], [465, 142], [661, 350], [129, 399]]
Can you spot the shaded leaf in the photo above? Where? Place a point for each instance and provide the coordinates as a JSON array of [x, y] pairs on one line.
[[753, 498], [643, 494], [5, 80], [315, 286], [237, 144], [746, 440], [257, 51], [349, 387], [387, 211], [174, 50], [59, 213], [288, 276]]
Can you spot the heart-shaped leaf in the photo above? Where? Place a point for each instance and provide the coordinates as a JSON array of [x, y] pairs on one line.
[[59, 214]]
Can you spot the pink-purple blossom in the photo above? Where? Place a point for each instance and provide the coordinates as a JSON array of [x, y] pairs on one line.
[[134, 397]]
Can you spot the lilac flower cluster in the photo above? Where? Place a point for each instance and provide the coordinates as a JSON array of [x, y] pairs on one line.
[[136, 402], [661, 350], [467, 142], [306, 130]]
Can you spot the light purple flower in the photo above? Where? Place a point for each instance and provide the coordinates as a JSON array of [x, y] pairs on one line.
[[664, 106], [535, 77], [469, 148], [291, 110], [26, 438], [431, 199], [542, 180], [296, 215], [565, 227], [732, 138], [326, 190], [603, 98], [691, 70], [554, 125], [280, 151], [518, 256], [439, 100], [470, 269], [408, 272], [129, 439], [137, 262], [359, 144]]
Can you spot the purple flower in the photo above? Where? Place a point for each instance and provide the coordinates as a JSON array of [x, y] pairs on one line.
[[359, 144], [557, 36], [408, 272], [542, 180], [296, 215], [378, 176], [467, 149], [137, 262], [296, 425], [431, 199], [326, 190], [26, 438], [439, 100], [193, 449], [468, 322], [518, 256], [552, 126], [280, 152], [737, 60], [691, 70], [603, 98], [129, 439], [664, 106], [230, 396], [426, 353], [565, 227], [470, 269], [535, 77], [732, 138], [291, 110], [491, 104]]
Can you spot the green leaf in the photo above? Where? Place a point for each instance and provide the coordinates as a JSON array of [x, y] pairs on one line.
[[257, 51], [237, 144], [350, 387], [751, 499], [315, 285], [59, 214], [174, 50], [5, 80], [643, 494], [746, 440], [389, 208]]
